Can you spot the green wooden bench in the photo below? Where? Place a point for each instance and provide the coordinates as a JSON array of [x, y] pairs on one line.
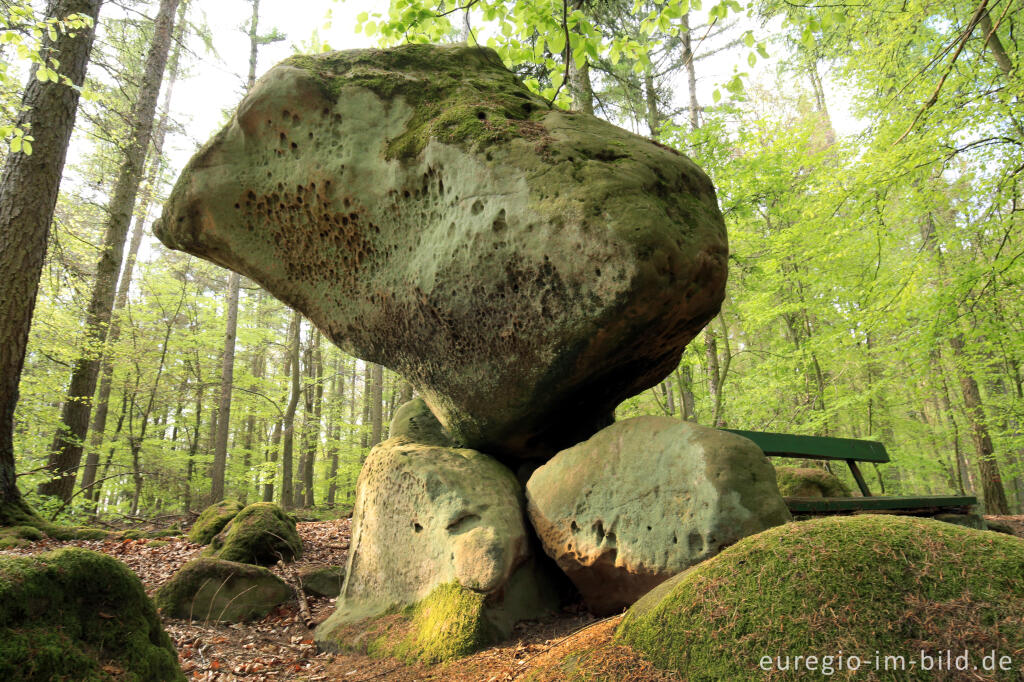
[[851, 451]]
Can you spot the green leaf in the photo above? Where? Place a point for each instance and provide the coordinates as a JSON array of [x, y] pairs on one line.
[[556, 43], [748, 39], [751, 59], [716, 95]]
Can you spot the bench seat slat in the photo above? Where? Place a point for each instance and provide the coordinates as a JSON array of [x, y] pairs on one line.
[[816, 447], [839, 504]]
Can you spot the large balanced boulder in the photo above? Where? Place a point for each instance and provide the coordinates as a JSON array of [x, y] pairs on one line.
[[213, 519], [645, 499], [427, 516], [214, 590], [262, 533], [73, 614], [524, 267], [843, 590]]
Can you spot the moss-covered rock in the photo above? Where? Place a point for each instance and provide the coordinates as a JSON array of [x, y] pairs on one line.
[[19, 536], [322, 581], [262, 533], [415, 421], [809, 482], [525, 268], [849, 586], [73, 614], [212, 521], [214, 590]]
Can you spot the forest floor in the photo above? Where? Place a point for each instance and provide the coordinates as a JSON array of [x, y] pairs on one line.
[[280, 646]]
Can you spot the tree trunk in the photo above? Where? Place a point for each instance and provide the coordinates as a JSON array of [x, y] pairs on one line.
[[337, 405], [70, 437], [227, 378], [691, 73], [318, 402], [275, 443], [99, 419], [375, 396], [289, 415], [28, 195]]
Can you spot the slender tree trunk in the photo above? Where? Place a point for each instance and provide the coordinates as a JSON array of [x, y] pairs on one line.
[[227, 378], [651, 104], [70, 437], [318, 367], [376, 400], [691, 73], [28, 195], [337, 405], [580, 87], [99, 419], [289, 415]]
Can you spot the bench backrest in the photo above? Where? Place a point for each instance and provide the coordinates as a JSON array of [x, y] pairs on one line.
[[816, 447]]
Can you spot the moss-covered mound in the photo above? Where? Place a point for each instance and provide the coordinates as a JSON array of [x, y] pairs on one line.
[[212, 521], [212, 589], [449, 623], [843, 588], [809, 482], [79, 615], [19, 536], [261, 534]]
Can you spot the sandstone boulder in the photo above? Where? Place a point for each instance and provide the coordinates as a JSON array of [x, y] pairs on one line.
[[525, 268], [214, 590], [262, 533], [427, 516], [415, 421], [646, 498]]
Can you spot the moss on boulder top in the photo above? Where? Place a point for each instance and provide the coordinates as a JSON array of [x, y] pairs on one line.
[[262, 533], [213, 519], [525, 268], [841, 585], [73, 614], [809, 482]]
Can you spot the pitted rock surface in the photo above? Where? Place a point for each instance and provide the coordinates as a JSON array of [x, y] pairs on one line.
[[425, 516], [526, 268], [645, 499]]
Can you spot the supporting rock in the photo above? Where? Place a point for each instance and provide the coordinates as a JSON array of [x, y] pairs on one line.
[[645, 499]]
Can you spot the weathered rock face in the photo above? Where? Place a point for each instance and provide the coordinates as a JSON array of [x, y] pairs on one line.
[[415, 421], [524, 267], [73, 614], [426, 516], [646, 498], [262, 533], [215, 590]]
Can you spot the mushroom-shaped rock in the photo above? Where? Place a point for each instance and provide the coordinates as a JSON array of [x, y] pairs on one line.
[[427, 516], [525, 268], [645, 499]]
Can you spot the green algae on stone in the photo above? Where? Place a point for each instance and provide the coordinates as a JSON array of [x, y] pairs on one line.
[[212, 520], [65, 615], [809, 482], [262, 533], [215, 590], [859, 584]]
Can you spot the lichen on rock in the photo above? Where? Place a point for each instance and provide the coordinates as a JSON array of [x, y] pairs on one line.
[[74, 614], [525, 268], [646, 498]]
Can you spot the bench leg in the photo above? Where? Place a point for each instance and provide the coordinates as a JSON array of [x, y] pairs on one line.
[[857, 477]]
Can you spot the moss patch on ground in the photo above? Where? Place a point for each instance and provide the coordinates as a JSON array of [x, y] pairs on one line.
[[73, 614], [809, 482], [892, 584], [260, 534], [210, 589], [448, 624], [212, 521]]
